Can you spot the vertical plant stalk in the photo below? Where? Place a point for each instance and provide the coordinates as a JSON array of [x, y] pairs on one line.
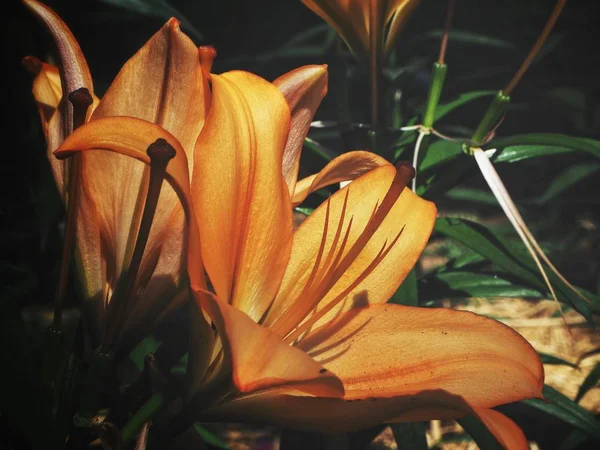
[[435, 89], [160, 153], [81, 100], [447, 26], [560, 4], [496, 109], [376, 59]]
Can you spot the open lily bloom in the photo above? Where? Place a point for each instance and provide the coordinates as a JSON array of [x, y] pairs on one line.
[[162, 83], [304, 337], [365, 24]]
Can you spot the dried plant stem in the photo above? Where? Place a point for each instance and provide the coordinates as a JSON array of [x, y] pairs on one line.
[[536, 47]]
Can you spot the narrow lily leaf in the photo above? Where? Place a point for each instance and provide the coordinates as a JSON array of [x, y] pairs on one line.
[[590, 382], [515, 153], [496, 249], [590, 146], [551, 359], [410, 436], [445, 109], [469, 37], [573, 441], [408, 292], [319, 149], [567, 179], [209, 437], [473, 195], [161, 9], [478, 431], [469, 284], [565, 409]]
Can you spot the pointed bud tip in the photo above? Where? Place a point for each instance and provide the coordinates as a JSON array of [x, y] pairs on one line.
[[206, 56], [32, 64]]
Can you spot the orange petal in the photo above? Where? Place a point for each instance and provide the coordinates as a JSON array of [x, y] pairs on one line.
[[403, 364], [346, 167], [162, 83], [392, 350], [261, 359], [47, 90], [507, 432], [131, 137], [303, 88], [295, 410], [398, 11], [75, 73], [410, 214], [350, 19], [242, 203]]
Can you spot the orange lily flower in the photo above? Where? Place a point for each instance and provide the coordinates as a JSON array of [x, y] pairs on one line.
[[304, 337], [367, 26], [162, 83]]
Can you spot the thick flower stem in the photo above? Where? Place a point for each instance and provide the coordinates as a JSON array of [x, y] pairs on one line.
[[490, 118], [435, 92], [97, 374], [81, 101], [160, 153], [54, 338], [141, 416], [376, 60], [340, 88]]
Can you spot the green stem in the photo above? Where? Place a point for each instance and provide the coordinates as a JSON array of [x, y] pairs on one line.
[[435, 91], [491, 117], [141, 416]]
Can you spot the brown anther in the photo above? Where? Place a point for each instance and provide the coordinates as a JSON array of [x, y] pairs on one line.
[[81, 100], [405, 165], [160, 152]]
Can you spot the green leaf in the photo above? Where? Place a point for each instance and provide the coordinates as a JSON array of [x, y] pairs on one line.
[[573, 440], [148, 345], [592, 380], [473, 195], [480, 433], [568, 178], [586, 145], [447, 108], [209, 437], [516, 153], [319, 149], [505, 255], [469, 37], [469, 284], [410, 436], [407, 293], [156, 8], [551, 359], [563, 408]]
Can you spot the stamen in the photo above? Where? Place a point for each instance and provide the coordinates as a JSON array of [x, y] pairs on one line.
[[321, 313], [404, 172], [81, 101], [302, 307], [160, 153]]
